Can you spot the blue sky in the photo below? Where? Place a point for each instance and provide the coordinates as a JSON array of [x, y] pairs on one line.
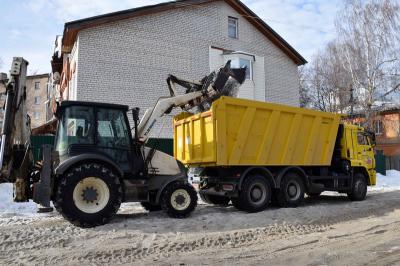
[[28, 27]]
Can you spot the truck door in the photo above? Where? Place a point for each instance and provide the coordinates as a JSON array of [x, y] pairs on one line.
[[364, 149]]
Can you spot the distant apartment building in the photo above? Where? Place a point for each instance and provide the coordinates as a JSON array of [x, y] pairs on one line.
[[37, 92]]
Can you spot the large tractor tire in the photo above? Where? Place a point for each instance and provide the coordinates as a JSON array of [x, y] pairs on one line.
[[214, 199], [255, 194], [150, 207], [359, 188], [88, 195], [291, 192], [179, 199]]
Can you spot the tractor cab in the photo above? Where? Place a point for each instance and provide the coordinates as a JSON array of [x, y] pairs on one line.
[[97, 129]]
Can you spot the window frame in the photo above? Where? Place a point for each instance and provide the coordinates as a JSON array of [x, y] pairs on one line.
[[236, 21], [37, 87], [378, 125], [37, 102], [36, 115], [251, 78]]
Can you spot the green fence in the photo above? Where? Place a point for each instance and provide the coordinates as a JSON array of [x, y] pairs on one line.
[[380, 161], [37, 142], [164, 145]]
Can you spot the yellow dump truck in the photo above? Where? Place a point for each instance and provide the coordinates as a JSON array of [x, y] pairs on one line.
[[254, 153]]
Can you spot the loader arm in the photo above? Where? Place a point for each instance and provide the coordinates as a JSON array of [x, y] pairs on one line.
[[200, 94]]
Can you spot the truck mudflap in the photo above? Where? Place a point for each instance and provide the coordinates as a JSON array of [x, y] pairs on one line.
[[42, 189]]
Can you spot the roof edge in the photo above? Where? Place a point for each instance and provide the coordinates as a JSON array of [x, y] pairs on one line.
[[72, 28]]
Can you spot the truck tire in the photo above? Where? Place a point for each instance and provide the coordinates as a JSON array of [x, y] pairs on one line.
[[89, 195], [291, 192], [255, 194], [179, 199], [150, 207], [214, 199], [359, 188]]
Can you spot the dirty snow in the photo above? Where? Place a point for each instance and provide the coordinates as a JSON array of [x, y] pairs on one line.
[[7, 206], [388, 182], [319, 232]]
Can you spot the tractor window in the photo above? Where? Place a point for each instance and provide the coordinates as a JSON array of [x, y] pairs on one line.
[[75, 127], [112, 131]]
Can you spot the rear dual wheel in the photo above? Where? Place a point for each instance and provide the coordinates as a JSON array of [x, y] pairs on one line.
[[291, 192], [255, 194]]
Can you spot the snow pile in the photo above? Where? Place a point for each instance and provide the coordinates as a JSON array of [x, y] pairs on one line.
[[8, 206], [388, 182]]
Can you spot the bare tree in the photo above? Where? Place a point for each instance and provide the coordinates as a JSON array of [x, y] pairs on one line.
[[368, 38], [327, 82], [362, 64], [305, 99]]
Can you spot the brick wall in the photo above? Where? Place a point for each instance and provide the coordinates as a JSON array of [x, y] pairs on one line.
[[128, 62]]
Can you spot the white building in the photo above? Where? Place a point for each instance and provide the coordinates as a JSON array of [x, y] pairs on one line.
[[125, 57]]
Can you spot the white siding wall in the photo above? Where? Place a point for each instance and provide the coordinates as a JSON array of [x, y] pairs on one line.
[[127, 62]]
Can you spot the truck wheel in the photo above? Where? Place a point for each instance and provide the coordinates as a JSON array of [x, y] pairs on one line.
[[359, 189], [89, 195], [150, 206], [255, 194], [178, 199], [214, 199], [291, 192]]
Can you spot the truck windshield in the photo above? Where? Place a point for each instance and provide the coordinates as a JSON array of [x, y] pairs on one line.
[[76, 126]]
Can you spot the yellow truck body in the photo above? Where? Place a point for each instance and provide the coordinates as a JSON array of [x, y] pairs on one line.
[[239, 132]]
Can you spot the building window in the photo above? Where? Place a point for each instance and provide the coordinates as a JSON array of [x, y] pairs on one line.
[[233, 27], [37, 100], [241, 63], [37, 85], [378, 127], [36, 115]]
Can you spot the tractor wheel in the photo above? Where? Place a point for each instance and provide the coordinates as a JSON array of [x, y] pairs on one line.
[[291, 192], [89, 195], [150, 206], [359, 188], [255, 194], [214, 199], [178, 199]]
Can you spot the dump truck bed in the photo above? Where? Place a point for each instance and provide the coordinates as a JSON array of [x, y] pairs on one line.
[[238, 132]]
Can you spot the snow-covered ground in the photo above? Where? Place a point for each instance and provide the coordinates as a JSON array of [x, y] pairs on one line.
[[388, 182], [319, 232], [8, 206]]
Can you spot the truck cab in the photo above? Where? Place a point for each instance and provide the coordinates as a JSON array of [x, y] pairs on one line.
[[357, 148]]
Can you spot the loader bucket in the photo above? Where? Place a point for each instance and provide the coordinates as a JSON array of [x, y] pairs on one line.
[[225, 82]]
